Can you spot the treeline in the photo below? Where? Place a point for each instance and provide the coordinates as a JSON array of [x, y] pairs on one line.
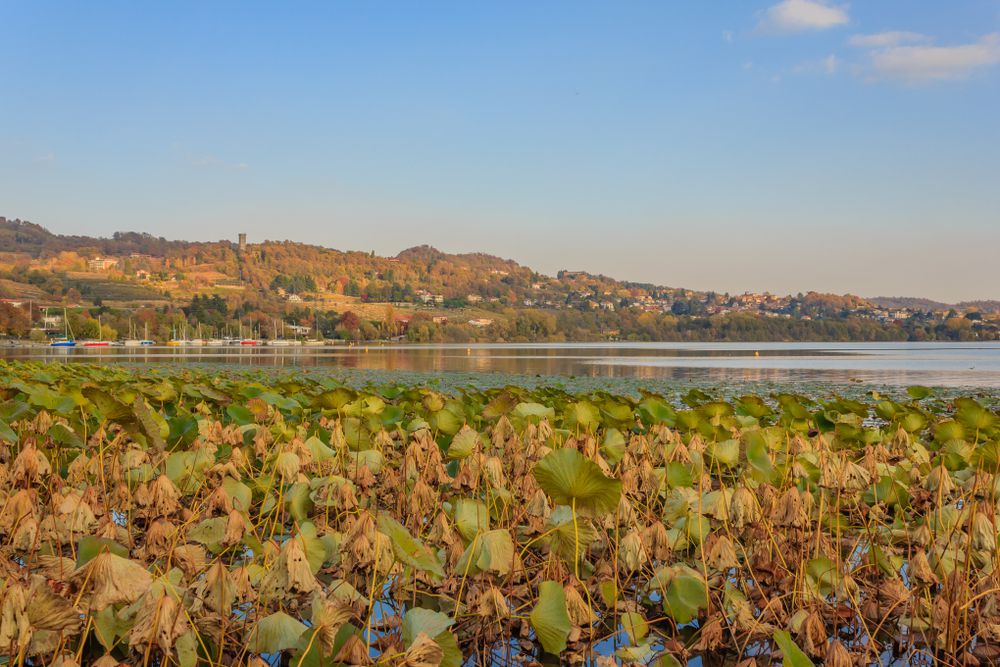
[[558, 326]]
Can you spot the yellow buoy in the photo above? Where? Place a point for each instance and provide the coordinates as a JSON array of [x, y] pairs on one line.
[[756, 353]]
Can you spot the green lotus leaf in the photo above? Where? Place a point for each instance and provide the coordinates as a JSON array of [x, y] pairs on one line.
[[973, 416], [792, 655], [533, 411], [492, 551], [569, 478], [471, 518], [210, 532], [89, 547], [565, 539], [463, 444], [582, 415], [653, 410], [550, 618], [276, 632], [613, 447], [686, 594], [61, 434], [408, 549], [635, 626], [725, 453]]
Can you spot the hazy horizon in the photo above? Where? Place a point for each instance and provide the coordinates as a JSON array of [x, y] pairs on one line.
[[768, 146]]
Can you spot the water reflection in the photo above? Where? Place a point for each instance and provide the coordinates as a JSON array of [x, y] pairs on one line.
[[954, 364]]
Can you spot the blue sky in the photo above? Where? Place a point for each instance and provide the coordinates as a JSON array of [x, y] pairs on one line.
[[784, 146]]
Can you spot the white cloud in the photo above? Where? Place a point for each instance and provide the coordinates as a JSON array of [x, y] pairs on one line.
[[887, 39], [45, 158], [799, 15], [925, 63], [727, 35], [829, 66]]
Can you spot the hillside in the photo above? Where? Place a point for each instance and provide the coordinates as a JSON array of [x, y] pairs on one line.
[[916, 303], [422, 294]]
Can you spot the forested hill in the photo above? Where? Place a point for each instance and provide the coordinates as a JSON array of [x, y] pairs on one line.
[[422, 294], [307, 268]]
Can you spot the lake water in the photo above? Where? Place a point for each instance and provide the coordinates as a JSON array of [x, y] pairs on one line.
[[940, 364]]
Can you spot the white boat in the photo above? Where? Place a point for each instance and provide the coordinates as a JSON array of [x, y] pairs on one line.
[[132, 341], [215, 342]]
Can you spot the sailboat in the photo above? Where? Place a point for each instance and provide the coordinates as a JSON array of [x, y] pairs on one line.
[[247, 341], [131, 341], [215, 342], [65, 340], [316, 340], [175, 341], [99, 342], [199, 341], [146, 340], [275, 341]]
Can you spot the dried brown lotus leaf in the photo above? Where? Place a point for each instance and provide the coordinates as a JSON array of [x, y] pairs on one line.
[[48, 611], [632, 553], [160, 621], [191, 558], [920, 569], [15, 628], [327, 618], [491, 603], [17, 506], [353, 652], [30, 466], [111, 579], [722, 554], [57, 568], [580, 612], [813, 635], [26, 535], [789, 511], [743, 509], [164, 497], [291, 572], [423, 652], [837, 655]]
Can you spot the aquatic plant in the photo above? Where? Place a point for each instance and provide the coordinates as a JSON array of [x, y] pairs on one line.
[[188, 517]]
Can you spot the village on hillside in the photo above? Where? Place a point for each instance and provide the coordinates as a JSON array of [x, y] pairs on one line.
[[110, 289]]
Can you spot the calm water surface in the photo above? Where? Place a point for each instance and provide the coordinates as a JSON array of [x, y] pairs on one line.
[[941, 364]]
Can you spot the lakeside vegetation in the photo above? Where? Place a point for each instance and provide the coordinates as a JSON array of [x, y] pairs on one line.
[[182, 516], [421, 295]]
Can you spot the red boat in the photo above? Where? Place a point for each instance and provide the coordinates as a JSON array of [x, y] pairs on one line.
[[95, 343]]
